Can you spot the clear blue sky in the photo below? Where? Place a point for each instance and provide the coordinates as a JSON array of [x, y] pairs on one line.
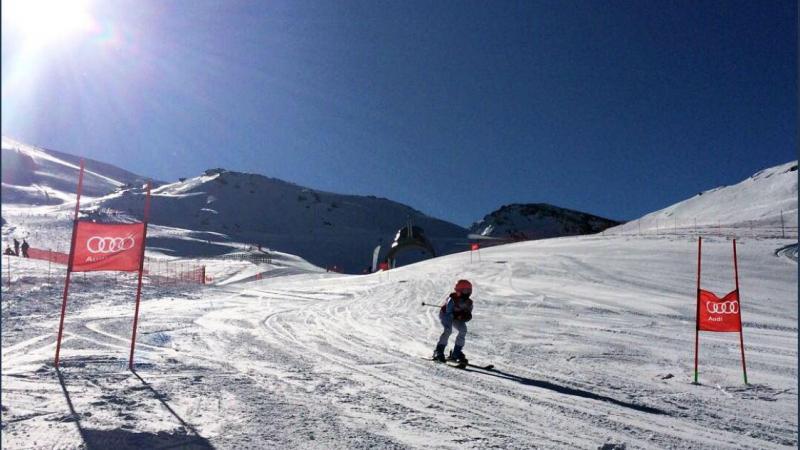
[[454, 108]]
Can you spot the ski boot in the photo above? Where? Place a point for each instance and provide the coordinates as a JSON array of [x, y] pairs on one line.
[[438, 354], [458, 356]]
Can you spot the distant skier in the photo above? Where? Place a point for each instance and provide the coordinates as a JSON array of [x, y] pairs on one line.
[[25, 248], [8, 251], [16, 247], [455, 313]]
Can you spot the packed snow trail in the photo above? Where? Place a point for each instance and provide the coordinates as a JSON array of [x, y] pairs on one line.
[[591, 339]]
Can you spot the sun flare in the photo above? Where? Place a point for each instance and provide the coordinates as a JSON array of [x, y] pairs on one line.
[[42, 22]]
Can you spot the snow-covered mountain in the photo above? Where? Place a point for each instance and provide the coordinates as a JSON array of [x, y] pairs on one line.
[[538, 221], [35, 176], [326, 228], [761, 201]]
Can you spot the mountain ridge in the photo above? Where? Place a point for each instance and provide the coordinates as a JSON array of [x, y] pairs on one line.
[[528, 221], [341, 230]]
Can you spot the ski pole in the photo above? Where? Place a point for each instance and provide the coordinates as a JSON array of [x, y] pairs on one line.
[[433, 306]]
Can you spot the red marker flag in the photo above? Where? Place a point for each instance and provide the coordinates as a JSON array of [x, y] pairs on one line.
[[101, 246], [475, 246], [719, 314]]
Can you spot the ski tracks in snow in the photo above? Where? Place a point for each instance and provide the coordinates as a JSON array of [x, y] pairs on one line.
[[337, 362], [356, 354]]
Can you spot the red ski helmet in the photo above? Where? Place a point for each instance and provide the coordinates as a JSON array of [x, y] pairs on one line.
[[463, 287]]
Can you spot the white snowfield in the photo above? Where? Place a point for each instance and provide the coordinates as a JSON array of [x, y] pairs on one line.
[[591, 337], [765, 201]]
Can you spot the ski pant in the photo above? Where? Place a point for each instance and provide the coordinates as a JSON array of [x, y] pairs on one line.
[[448, 323]]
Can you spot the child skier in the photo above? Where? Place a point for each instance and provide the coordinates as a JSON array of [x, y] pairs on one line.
[[456, 312]]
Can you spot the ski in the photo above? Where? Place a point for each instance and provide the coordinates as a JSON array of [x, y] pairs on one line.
[[486, 367], [466, 364], [456, 364], [448, 362]]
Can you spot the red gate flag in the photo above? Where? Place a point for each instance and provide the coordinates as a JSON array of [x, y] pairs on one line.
[[103, 246], [475, 246], [719, 314]]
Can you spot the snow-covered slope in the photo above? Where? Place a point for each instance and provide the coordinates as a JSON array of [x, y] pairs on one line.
[[538, 221], [756, 202], [35, 176], [591, 337], [327, 229]]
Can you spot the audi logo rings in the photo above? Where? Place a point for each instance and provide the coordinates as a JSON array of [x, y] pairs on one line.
[[722, 308], [97, 244]]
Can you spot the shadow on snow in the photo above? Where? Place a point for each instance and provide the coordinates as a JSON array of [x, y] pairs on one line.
[[121, 439], [563, 389]]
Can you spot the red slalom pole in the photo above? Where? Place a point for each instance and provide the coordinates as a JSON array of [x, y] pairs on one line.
[[141, 269], [69, 264], [697, 316], [741, 328]]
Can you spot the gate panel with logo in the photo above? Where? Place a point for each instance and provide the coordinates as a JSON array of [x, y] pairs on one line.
[[718, 314], [107, 246]]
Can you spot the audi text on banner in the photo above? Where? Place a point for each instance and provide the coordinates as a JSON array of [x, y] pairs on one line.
[[719, 314], [100, 246]]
